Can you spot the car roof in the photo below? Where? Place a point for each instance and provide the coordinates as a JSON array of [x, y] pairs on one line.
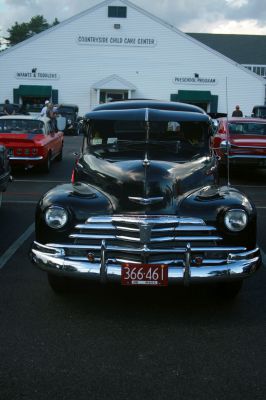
[[145, 103], [147, 114]]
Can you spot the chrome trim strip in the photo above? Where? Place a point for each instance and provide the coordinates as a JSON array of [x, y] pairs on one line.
[[134, 250], [26, 158], [255, 157], [152, 240], [103, 270], [139, 219], [233, 145], [186, 270], [100, 227]]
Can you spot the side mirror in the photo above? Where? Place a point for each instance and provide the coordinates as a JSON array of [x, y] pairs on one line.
[[225, 146]]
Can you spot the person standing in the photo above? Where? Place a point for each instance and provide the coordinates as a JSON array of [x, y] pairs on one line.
[[237, 112], [44, 109], [8, 108]]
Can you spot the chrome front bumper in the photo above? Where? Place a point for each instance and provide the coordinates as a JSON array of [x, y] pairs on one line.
[[236, 266]]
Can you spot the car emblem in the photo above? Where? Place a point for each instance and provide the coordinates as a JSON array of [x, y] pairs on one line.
[[145, 233]]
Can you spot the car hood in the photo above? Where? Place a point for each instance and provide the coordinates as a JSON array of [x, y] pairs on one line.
[[145, 184]]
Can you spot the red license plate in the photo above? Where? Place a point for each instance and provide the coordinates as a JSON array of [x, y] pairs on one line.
[[144, 274]]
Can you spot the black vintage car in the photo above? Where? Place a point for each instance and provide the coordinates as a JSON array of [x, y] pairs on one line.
[[70, 112], [259, 111], [5, 170], [145, 207]]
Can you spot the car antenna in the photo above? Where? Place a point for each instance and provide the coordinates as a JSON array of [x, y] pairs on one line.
[[227, 135]]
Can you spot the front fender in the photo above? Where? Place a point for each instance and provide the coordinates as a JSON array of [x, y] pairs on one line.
[[80, 200], [212, 202]]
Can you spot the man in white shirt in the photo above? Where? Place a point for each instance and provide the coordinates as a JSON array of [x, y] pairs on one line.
[[44, 109]]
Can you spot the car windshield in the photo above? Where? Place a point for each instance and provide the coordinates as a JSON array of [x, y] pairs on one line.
[[247, 128], [16, 125], [191, 136]]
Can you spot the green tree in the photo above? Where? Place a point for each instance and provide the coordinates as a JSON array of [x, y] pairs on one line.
[[37, 24], [56, 22], [19, 32]]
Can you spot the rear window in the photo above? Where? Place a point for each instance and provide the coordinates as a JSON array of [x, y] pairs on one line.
[[21, 126], [247, 128]]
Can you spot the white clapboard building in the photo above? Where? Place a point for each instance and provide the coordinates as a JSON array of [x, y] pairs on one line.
[[116, 50]]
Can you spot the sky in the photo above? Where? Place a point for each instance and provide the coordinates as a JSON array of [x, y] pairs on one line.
[[209, 16]]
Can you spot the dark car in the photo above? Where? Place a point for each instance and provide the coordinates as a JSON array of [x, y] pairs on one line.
[[246, 140], [144, 207], [259, 111], [70, 112], [5, 176], [16, 107]]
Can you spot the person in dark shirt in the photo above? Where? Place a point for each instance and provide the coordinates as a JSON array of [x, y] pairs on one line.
[[8, 108], [237, 112]]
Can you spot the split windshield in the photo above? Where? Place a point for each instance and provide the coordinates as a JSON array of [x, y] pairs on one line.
[[21, 126], [192, 134], [247, 128]]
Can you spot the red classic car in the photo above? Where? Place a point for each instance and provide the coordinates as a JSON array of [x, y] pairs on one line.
[[31, 141], [243, 139]]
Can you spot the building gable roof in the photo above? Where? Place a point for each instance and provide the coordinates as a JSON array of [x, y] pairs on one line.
[[232, 45], [114, 82], [142, 11]]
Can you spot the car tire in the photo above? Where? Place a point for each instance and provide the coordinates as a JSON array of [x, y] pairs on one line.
[[46, 166], [60, 155], [59, 284]]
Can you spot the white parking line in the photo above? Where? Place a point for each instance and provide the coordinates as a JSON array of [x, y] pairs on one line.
[[15, 246]]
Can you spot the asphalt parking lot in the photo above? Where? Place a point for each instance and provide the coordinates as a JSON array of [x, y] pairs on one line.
[[113, 344]]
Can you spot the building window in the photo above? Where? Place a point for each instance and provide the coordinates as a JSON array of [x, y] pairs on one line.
[[117, 12], [257, 69]]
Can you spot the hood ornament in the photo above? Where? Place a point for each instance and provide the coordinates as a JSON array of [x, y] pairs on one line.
[[145, 200]]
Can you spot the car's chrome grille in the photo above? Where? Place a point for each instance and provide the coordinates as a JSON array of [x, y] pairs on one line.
[[147, 239]]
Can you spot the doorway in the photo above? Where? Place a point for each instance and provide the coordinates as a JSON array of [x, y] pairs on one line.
[[112, 95]]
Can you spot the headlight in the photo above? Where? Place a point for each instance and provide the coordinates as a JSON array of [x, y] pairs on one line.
[[56, 217], [235, 220]]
